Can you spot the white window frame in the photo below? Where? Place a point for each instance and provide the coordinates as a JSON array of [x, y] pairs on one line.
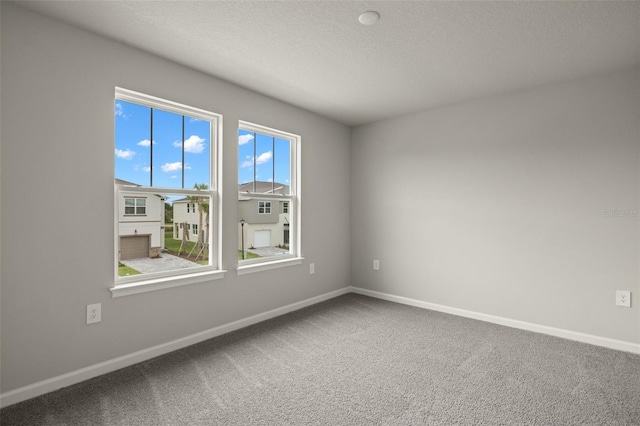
[[135, 206], [124, 286], [294, 257]]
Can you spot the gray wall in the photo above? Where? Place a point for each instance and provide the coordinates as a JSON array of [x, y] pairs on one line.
[[57, 160], [498, 206]]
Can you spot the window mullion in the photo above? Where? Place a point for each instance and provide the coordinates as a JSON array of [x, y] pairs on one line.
[[182, 145], [255, 145], [151, 147]]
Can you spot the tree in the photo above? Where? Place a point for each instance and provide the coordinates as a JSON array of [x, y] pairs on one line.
[[203, 209], [168, 213]]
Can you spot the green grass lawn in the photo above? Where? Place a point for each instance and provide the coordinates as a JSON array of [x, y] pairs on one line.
[[123, 271], [248, 255], [172, 247]]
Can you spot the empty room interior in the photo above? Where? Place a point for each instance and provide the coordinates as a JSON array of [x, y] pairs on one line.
[[320, 212]]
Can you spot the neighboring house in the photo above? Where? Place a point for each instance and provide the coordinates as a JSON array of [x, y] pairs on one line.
[[266, 222], [140, 224], [187, 218]]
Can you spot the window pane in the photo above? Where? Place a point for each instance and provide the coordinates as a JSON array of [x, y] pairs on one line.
[[264, 163], [129, 202], [161, 241], [245, 160], [167, 149], [132, 143], [282, 159], [263, 234], [197, 153]]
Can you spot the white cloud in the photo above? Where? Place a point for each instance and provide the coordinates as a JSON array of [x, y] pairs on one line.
[[125, 154], [247, 163], [194, 145], [146, 169], [244, 139], [119, 111], [262, 158], [174, 177], [145, 142], [173, 167]]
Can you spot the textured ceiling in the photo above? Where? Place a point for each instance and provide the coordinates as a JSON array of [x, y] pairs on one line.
[[422, 54]]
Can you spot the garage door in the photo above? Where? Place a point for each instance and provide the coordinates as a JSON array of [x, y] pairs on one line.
[[134, 247], [262, 238]]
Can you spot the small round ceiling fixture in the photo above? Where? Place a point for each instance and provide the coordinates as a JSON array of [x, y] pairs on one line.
[[369, 17]]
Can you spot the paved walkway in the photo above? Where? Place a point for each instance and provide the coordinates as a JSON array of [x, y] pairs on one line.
[[166, 262], [169, 262], [268, 251]]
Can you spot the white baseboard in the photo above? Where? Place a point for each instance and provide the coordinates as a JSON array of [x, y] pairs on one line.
[[68, 379], [558, 332]]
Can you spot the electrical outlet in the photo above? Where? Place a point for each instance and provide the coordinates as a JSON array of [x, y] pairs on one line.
[[623, 298], [312, 268], [94, 313], [376, 265]]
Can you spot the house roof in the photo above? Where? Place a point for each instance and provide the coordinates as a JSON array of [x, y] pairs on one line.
[[124, 182], [263, 187]]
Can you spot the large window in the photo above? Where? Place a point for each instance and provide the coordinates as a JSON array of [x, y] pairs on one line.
[[268, 198], [165, 170]]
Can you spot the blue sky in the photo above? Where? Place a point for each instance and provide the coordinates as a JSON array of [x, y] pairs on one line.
[[270, 157], [133, 160]]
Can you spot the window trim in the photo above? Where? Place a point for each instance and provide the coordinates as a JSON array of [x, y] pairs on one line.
[[124, 286], [295, 256]]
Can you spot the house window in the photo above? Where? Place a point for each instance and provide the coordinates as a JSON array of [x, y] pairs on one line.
[[264, 207], [135, 206], [268, 177], [195, 229], [164, 153]]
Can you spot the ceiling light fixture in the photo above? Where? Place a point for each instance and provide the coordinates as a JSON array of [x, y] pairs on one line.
[[369, 17]]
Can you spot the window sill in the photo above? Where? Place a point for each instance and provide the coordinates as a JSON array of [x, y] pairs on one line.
[[265, 266], [165, 282]]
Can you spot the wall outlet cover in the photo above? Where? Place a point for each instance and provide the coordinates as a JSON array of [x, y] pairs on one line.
[[623, 298], [94, 313]]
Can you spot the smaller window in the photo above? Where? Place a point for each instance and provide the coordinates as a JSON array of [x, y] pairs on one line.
[[195, 229], [264, 207], [135, 206], [285, 207]]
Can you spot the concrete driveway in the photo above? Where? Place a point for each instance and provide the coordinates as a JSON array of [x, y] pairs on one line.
[[167, 262]]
